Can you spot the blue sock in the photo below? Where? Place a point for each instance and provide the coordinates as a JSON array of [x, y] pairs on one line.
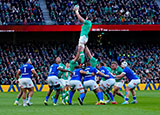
[[134, 97], [112, 98], [70, 96], [100, 96], [126, 98], [55, 100], [47, 97], [82, 95]]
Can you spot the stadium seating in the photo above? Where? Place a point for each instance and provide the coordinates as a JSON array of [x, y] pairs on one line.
[[105, 11], [142, 58], [20, 12]]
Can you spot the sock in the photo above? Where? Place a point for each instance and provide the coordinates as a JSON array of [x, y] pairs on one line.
[[55, 100], [82, 57], [71, 96], [29, 98], [17, 99], [24, 100], [82, 95], [134, 98], [107, 95], [47, 98], [100, 96], [126, 99], [112, 98]]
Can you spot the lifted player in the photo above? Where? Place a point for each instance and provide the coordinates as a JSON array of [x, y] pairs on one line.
[[84, 33]]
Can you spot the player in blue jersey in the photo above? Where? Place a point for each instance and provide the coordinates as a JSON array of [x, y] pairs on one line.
[[25, 81], [133, 82], [108, 83], [54, 82], [89, 82], [76, 84]]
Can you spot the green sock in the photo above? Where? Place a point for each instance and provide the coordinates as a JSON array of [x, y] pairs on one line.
[[17, 99], [82, 57], [109, 98]]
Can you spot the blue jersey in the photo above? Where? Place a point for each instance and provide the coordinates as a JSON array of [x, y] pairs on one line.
[[76, 75], [91, 70], [129, 73], [53, 70], [26, 70], [105, 71]]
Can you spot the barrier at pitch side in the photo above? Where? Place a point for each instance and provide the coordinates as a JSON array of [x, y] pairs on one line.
[[39, 88]]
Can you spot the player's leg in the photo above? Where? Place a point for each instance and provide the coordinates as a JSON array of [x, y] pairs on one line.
[[31, 90], [134, 96], [87, 51], [116, 91], [126, 96], [24, 96], [18, 97], [81, 45], [105, 92], [71, 93], [80, 88]]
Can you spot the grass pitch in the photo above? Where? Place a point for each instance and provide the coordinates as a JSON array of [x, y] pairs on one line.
[[148, 104]]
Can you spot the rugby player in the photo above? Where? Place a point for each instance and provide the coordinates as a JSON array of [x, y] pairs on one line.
[[54, 82], [25, 81], [134, 81], [107, 84], [117, 70], [84, 33], [89, 82], [75, 84]]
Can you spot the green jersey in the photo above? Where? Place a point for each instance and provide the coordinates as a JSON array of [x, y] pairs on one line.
[[60, 73], [73, 64], [93, 62], [110, 70], [118, 71], [68, 74], [86, 28]]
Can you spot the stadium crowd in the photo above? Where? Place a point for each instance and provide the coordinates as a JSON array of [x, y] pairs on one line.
[[144, 58], [20, 12], [105, 11]]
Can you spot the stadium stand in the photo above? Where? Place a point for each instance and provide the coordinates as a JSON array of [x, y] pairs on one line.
[[105, 11], [142, 58], [20, 12]]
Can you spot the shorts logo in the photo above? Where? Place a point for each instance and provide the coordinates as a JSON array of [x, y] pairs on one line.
[[107, 85], [134, 84], [55, 82], [29, 84], [95, 86], [79, 85]]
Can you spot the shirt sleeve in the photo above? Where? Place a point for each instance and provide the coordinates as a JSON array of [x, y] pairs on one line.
[[125, 71], [87, 22]]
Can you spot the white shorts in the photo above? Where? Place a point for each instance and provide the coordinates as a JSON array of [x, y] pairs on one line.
[[64, 82], [75, 84], [82, 41], [90, 84], [26, 83], [108, 83], [133, 83], [119, 84], [53, 80]]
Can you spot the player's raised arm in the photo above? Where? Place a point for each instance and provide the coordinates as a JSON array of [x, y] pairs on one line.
[[18, 74], [76, 8], [88, 52]]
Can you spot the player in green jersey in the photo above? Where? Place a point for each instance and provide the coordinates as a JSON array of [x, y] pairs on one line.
[[84, 33], [117, 70]]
